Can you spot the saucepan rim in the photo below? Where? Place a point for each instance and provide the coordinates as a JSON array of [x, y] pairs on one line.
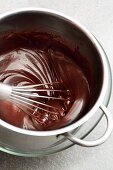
[[104, 67]]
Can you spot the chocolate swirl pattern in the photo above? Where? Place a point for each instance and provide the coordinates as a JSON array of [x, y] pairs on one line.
[[26, 66]]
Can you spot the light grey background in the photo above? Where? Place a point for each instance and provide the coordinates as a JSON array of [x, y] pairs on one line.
[[97, 16]]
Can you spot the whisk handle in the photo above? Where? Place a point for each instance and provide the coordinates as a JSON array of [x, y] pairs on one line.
[[5, 91]]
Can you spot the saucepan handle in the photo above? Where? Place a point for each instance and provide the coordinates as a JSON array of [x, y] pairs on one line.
[[98, 141]]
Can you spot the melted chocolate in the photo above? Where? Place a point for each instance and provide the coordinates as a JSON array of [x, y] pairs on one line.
[[37, 58]]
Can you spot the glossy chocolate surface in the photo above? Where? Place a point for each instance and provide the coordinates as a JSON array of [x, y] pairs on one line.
[[37, 58]]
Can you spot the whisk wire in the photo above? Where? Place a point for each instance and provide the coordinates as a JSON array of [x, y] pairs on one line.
[[36, 97], [23, 102]]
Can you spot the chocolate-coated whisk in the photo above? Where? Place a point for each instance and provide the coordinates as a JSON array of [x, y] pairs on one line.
[[29, 99]]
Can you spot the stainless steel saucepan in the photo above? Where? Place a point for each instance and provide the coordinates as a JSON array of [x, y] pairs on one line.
[[26, 141]]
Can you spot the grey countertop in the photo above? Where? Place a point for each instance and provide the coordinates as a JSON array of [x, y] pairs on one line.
[[97, 16]]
